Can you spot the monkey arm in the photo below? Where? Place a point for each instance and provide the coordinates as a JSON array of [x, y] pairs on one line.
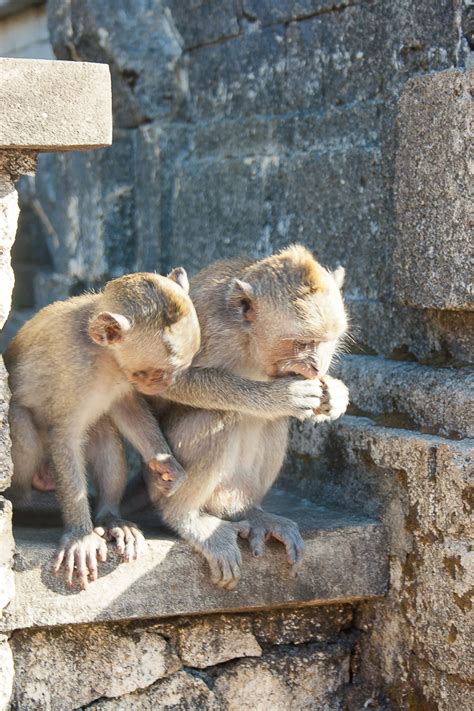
[[215, 389], [137, 424]]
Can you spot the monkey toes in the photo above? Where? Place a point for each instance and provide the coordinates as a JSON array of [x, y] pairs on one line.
[[223, 554], [129, 540], [264, 526], [78, 556]]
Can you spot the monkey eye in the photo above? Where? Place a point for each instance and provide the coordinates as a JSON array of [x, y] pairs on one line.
[[139, 374]]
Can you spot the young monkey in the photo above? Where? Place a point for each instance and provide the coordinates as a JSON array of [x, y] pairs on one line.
[[261, 322], [75, 372]]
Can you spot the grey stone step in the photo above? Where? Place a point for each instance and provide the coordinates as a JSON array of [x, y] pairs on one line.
[[434, 400], [345, 560], [358, 463]]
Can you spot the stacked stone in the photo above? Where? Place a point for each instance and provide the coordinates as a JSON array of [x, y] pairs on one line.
[[41, 105], [246, 125], [279, 660]]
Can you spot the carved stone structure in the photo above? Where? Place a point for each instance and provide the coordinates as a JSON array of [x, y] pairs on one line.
[[45, 106], [240, 126]]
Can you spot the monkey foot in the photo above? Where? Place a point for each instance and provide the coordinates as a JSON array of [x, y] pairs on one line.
[[43, 479], [78, 556], [264, 526], [128, 538], [222, 552]]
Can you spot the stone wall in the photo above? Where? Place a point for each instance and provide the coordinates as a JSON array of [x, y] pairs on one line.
[[243, 125], [284, 659]]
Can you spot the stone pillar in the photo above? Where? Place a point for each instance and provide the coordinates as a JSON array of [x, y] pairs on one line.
[[46, 106]]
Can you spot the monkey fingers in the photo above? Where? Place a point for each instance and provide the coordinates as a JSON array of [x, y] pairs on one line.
[[129, 540], [225, 569], [171, 474], [78, 557]]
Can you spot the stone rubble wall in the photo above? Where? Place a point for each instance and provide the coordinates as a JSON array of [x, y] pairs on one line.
[[299, 659], [241, 126], [12, 164]]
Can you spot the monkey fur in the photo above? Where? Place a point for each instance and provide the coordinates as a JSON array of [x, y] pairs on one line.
[[76, 371], [269, 330]]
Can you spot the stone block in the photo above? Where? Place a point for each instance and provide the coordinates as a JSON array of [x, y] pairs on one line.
[[432, 258], [180, 691], [304, 678], [344, 560], [432, 336], [141, 45], [6, 467], [6, 674], [50, 105], [240, 77], [6, 536], [220, 205], [214, 641], [310, 624], [201, 23], [398, 393], [71, 667]]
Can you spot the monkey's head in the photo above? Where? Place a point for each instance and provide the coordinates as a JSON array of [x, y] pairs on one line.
[[292, 310], [150, 326]]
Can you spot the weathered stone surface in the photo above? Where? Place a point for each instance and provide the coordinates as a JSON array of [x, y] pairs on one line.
[[434, 337], [7, 584], [140, 44], [304, 678], [51, 105], [432, 261], [8, 220], [6, 467], [311, 624], [6, 674], [213, 642], [435, 400], [70, 667], [136, 590], [421, 486], [181, 691]]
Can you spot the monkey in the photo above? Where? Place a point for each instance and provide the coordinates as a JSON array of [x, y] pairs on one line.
[[269, 330], [77, 373]]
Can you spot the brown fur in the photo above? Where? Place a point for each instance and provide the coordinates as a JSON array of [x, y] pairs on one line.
[[75, 371], [231, 426]]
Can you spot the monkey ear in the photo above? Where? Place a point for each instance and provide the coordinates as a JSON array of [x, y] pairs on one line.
[[180, 277], [241, 297], [108, 329], [339, 274]]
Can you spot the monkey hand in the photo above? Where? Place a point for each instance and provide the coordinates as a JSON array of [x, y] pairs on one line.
[[129, 540], [264, 526], [170, 475], [335, 400], [78, 554], [297, 397]]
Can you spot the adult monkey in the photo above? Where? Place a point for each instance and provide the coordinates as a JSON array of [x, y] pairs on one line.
[[228, 422]]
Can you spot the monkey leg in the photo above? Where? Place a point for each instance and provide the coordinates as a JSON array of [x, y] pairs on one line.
[[216, 540], [107, 461], [80, 546], [27, 452]]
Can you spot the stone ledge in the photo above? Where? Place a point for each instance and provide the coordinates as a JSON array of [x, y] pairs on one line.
[[345, 560], [435, 400], [54, 105]]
